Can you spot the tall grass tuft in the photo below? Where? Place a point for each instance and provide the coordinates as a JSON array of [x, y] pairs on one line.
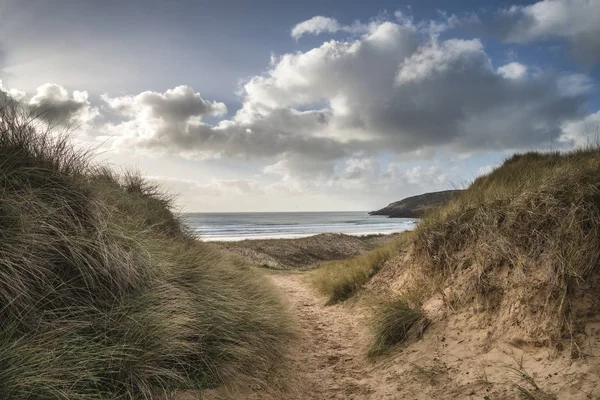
[[394, 322], [103, 292]]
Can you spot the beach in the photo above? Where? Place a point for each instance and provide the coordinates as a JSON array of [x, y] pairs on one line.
[[223, 227]]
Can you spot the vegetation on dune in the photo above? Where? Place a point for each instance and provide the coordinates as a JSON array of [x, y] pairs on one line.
[[538, 216], [524, 237], [104, 293], [395, 321], [339, 280]]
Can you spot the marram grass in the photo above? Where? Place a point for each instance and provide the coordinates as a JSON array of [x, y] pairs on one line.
[[104, 293], [339, 280], [537, 214], [395, 322]]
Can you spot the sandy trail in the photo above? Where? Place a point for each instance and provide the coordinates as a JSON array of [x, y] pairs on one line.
[[455, 359], [330, 363], [328, 360]]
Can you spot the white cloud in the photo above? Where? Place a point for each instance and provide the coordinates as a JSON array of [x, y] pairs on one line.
[[315, 26], [432, 176], [53, 104], [319, 24], [16, 94], [582, 133], [214, 187], [513, 70], [178, 105], [435, 59], [573, 20], [575, 84]]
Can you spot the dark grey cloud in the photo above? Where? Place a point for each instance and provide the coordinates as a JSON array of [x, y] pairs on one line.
[[462, 101]]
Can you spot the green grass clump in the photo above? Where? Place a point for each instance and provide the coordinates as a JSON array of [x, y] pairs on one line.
[[394, 322], [339, 280], [105, 295], [536, 211]]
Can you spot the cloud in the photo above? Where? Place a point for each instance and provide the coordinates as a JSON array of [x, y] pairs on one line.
[[582, 133], [172, 122], [53, 104], [174, 105], [485, 169], [391, 89], [15, 94], [214, 187], [513, 70], [575, 84], [425, 176], [395, 91], [282, 131], [214, 194], [298, 166], [319, 24], [573, 20]]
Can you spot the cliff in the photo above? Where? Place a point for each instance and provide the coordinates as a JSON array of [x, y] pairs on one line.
[[415, 206]]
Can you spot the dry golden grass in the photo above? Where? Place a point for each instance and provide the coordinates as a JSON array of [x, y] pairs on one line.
[[394, 322], [536, 212], [338, 280]]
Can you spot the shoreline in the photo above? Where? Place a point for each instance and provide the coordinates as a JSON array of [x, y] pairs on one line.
[[235, 239], [219, 227]]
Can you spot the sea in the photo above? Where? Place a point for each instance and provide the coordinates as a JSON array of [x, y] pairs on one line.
[[289, 225]]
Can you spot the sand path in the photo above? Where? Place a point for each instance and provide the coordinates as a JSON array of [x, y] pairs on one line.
[[329, 359], [330, 363]]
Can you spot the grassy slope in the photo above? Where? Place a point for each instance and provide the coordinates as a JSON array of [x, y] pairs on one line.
[[522, 242], [535, 220], [105, 295], [340, 279]]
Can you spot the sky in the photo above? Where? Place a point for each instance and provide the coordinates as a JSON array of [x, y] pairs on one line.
[[269, 105]]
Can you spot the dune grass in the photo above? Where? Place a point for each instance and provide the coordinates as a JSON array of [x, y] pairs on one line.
[[105, 294], [395, 321], [536, 212], [529, 228], [339, 280], [535, 204]]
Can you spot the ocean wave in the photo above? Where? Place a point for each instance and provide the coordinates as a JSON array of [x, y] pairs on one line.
[[239, 226]]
